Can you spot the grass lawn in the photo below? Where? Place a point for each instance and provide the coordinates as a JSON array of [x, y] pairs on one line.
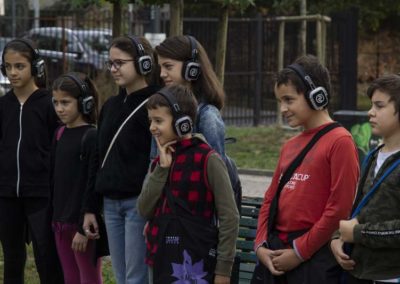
[[256, 147], [31, 276]]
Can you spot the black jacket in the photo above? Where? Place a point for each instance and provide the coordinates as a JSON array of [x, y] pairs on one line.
[[26, 133], [126, 166]]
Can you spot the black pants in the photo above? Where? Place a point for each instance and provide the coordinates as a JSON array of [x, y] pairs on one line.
[[321, 268], [21, 218], [349, 279]]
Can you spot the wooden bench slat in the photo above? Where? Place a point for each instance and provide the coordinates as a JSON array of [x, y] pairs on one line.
[[247, 257], [244, 244], [252, 201], [245, 276], [250, 212], [247, 267], [246, 233], [248, 222]]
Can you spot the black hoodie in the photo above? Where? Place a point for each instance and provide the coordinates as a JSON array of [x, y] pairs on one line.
[[126, 166], [26, 132]]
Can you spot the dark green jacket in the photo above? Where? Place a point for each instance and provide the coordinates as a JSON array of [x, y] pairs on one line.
[[377, 238]]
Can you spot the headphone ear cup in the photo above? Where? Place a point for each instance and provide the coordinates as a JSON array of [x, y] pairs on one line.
[[191, 70], [86, 105], [318, 98], [144, 64], [38, 68], [183, 126]]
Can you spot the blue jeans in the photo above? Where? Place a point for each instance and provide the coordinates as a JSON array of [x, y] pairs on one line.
[[126, 241]]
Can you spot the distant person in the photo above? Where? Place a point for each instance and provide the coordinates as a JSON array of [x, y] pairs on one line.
[[27, 125], [189, 171], [124, 142], [373, 232], [75, 101], [295, 225]]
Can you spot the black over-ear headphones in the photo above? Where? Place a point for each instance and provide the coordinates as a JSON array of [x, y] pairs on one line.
[[191, 69], [143, 62], [37, 64], [182, 124], [85, 100], [316, 97]]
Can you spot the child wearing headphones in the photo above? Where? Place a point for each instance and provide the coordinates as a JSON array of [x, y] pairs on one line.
[[124, 142], [75, 101], [188, 181], [292, 237], [184, 61], [373, 228], [27, 125]]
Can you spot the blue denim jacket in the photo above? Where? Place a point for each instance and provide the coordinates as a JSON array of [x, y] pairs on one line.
[[210, 124]]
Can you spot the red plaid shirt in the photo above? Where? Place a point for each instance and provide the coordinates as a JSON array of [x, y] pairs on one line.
[[188, 182]]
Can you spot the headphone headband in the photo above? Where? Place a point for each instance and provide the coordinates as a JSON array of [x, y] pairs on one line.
[[306, 79], [139, 47], [85, 101], [316, 96], [176, 110], [193, 47], [79, 82], [143, 62], [191, 69], [182, 124]]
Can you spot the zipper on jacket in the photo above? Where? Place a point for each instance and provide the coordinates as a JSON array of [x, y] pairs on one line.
[[18, 149]]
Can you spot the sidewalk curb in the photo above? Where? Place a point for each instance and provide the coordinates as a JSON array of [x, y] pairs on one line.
[[255, 172]]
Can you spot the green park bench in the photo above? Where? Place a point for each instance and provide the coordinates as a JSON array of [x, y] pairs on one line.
[[246, 259]]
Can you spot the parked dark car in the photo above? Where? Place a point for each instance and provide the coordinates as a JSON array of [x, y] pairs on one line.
[[71, 50]]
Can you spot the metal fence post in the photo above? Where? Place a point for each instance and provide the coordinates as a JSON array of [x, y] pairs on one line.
[[281, 51], [259, 63]]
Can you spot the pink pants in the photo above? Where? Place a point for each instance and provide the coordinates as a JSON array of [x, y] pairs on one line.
[[78, 267]]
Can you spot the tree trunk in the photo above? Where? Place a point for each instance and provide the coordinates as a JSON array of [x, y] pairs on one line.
[[303, 29], [116, 22], [222, 36], [176, 18]]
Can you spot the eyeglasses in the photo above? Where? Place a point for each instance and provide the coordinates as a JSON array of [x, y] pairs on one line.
[[116, 63]]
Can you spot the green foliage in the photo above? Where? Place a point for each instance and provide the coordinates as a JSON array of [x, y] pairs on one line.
[[32, 277], [362, 133], [372, 13], [85, 3], [240, 4]]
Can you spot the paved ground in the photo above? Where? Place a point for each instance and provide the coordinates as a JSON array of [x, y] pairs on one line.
[[254, 185]]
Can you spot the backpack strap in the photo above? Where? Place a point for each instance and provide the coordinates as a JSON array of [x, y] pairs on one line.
[[60, 132], [119, 130], [369, 195], [82, 155]]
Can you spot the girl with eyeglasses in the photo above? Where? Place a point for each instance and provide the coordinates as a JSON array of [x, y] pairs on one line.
[[124, 164]]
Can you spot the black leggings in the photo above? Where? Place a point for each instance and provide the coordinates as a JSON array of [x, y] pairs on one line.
[[21, 218]]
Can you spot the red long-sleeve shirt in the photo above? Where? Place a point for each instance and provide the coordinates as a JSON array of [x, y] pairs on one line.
[[320, 192]]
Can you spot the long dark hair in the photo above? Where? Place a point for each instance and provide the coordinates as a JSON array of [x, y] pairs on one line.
[[67, 84], [27, 49], [207, 88]]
